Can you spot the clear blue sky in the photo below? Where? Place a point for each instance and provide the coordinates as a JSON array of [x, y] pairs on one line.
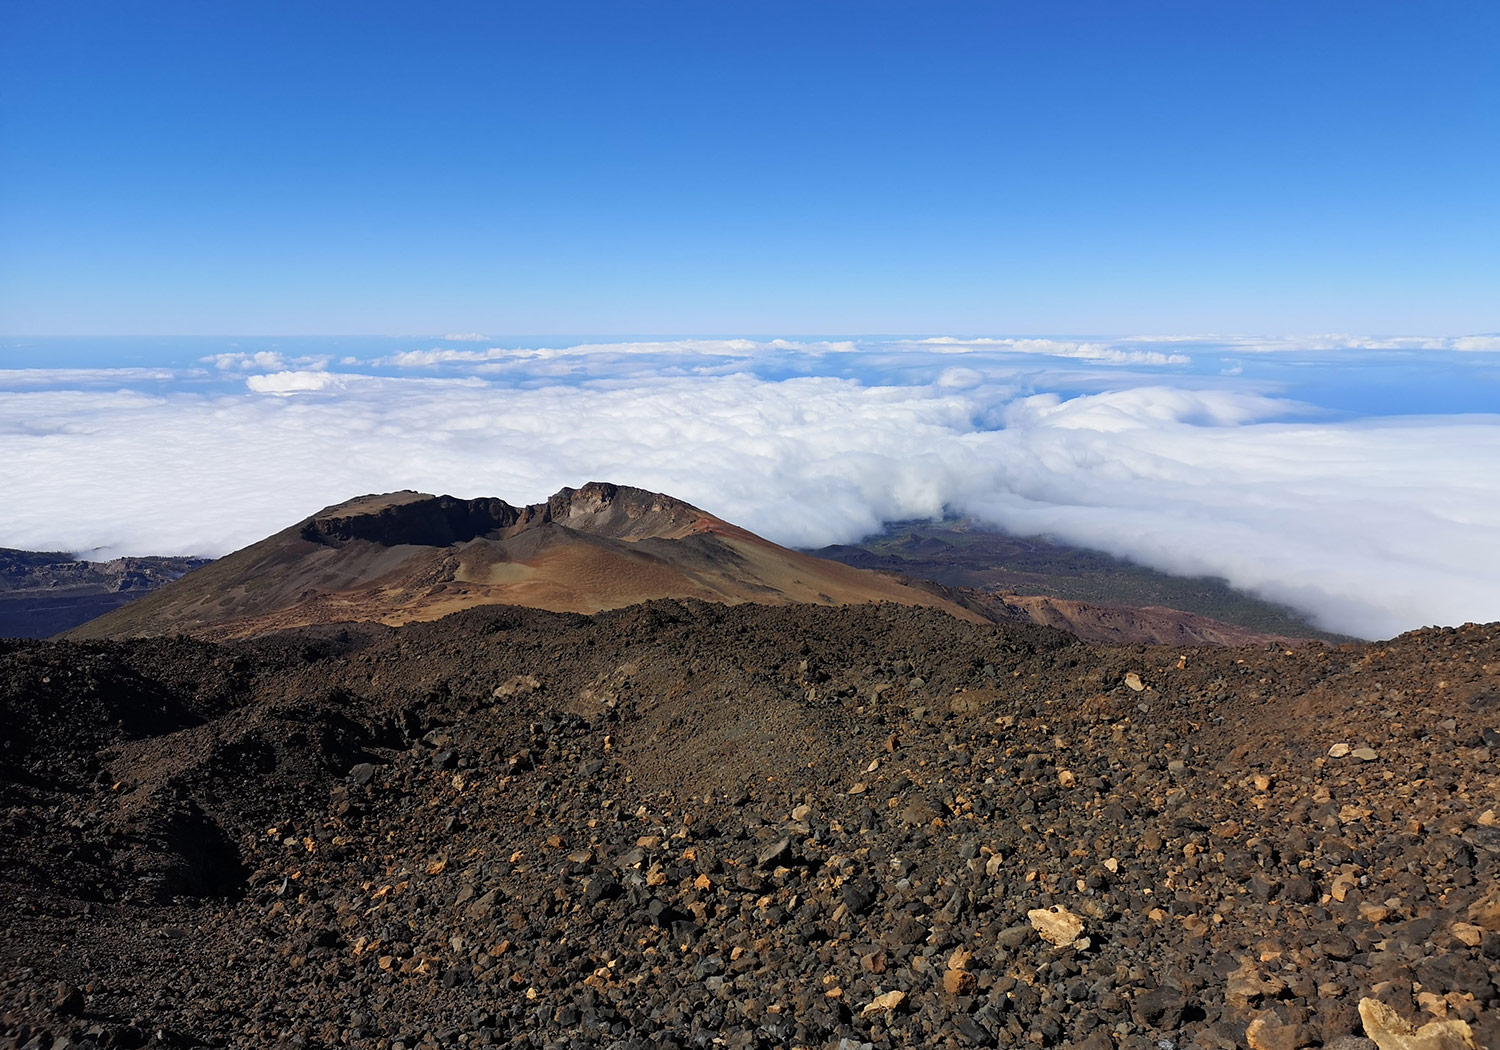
[[718, 166]]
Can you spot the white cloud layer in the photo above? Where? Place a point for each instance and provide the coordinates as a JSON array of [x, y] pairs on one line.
[[1374, 526], [654, 350], [1335, 342], [262, 360], [1102, 353], [290, 382]]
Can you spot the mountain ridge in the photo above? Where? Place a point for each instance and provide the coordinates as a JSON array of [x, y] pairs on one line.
[[45, 592], [406, 556]]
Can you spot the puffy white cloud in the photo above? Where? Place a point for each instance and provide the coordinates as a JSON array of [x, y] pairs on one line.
[[1374, 526], [284, 383], [1146, 407], [436, 356], [661, 350], [1101, 353], [1478, 344], [1335, 342], [38, 378], [246, 361], [959, 378]]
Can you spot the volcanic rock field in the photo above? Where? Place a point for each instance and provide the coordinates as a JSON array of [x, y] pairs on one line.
[[690, 825]]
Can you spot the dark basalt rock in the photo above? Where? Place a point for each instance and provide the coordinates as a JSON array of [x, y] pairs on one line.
[[437, 521], [342, 836]]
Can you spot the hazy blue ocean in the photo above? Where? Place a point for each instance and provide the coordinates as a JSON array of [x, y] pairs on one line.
[[1343, 379]]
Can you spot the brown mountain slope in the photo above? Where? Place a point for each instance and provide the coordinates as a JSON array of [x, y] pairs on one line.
[[964, 553], [1114, 624], [406, 556]]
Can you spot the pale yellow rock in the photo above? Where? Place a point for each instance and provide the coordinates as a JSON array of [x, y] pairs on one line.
[[1485, 912], [1339, 750], [1194, 925], [1066, 778], [1433, 1003], [1261, 1034], [1392, 1032], [1056, 924], [1468, 933], [520, 685], [1266, 1032], [1248, 984], [1342, 885], [1134, 683], [882, 1004], [959, 982]]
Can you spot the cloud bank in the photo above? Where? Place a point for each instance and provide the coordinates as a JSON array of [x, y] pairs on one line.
[[1371, 525]]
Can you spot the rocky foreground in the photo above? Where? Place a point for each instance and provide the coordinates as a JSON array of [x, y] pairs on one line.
[[687, 825]]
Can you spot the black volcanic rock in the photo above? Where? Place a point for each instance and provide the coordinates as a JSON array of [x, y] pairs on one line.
[[441, 521], [182, 843], [433, 521]]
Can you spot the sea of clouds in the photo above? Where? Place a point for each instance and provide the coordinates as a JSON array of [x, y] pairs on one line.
[[1357, 480]]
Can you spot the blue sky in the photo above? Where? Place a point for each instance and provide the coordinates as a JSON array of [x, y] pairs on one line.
[[751, 167]]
